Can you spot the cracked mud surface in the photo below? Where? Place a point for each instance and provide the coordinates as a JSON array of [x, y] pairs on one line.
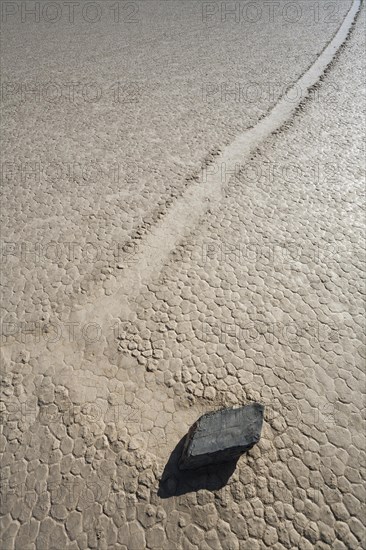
[[262, 301], [100, 170]]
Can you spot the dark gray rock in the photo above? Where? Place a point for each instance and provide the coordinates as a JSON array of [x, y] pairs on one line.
[[222, 436]]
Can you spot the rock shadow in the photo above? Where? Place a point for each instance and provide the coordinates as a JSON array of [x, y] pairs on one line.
[[175, 482]]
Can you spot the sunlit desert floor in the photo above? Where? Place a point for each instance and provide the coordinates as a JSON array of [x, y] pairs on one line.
[[133, 301]]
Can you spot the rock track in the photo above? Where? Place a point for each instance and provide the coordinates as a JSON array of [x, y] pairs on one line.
[[248, 288]]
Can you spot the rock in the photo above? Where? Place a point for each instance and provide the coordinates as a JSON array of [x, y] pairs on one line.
[[222, 436]]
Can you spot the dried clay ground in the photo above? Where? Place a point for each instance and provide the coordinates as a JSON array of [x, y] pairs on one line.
[[173, 244]]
